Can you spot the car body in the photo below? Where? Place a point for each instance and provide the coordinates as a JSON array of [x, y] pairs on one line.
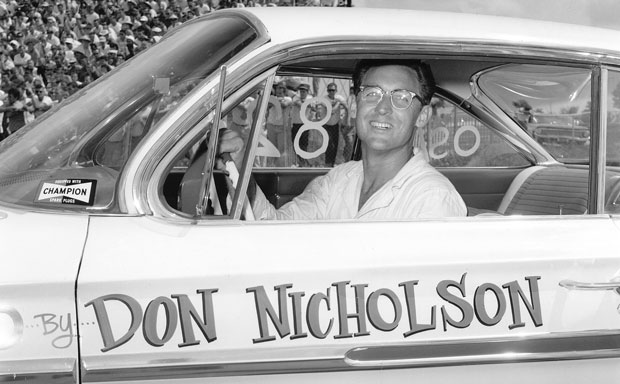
[[123, 260], [561, 129]]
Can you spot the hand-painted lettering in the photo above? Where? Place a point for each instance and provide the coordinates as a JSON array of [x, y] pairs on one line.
[[264, 309], [59, 325], [533, 306], [467, 312], [344, 315], [341, 310], [320, 316], [182, 312], [414, 327], [187, 312]]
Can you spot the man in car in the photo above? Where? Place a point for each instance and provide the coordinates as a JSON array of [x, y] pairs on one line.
[[393, 180]]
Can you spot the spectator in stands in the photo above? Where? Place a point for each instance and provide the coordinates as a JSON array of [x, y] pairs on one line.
[[60, 14], [15, 111], [21, 57], [84, 47], [69, 54], [41, 102], [6, 62]]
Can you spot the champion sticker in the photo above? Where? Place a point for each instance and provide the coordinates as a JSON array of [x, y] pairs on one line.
[[68, 192]]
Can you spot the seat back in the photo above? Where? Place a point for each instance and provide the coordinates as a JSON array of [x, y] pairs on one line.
[[547, 191]]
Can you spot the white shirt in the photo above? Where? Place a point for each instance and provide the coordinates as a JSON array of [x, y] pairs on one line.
[[417, 191]]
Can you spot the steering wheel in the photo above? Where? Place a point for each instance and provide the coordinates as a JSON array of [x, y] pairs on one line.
[[222, 188]]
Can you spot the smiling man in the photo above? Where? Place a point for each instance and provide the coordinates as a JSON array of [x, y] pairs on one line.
[[391, 181]]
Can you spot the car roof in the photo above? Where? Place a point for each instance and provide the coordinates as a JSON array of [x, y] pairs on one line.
[[287, 24]]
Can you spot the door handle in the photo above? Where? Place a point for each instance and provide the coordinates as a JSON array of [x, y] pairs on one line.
[[613, 285]]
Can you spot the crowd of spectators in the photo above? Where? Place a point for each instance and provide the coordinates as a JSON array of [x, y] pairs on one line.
[[50, 49]]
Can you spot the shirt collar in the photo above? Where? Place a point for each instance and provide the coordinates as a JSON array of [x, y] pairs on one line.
[[385, 195]]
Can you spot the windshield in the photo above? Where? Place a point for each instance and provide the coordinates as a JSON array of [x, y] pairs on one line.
[[550, 103], [91, 135]]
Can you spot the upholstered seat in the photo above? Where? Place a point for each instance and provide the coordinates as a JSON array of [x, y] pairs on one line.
[[552, 190]]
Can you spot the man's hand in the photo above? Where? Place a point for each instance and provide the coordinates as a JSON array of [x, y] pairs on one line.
[[231, 143]]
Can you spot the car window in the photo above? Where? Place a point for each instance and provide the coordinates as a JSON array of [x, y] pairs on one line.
[[240, 117], [114, 150], [487, 160], [319, 135], [550, 103], [455, 138]]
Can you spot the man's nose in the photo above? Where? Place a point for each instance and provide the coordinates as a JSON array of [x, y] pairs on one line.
[[385, 105]]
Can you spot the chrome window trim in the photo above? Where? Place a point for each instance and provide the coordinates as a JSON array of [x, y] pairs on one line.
[[248, 161], [343, 45], [601, 147], [598, 124], [132, 183], [437, 353]]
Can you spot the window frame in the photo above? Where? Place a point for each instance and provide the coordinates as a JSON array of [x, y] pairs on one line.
[[193, 134], [273, 58]]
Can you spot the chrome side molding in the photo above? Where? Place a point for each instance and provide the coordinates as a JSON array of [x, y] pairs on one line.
[[43, 371], [524, 348], [563, 346], [613, 285]]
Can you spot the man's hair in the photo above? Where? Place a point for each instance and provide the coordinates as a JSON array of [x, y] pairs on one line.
[[423, 71]]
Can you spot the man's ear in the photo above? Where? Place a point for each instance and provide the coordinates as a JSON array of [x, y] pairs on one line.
[[424, 116]]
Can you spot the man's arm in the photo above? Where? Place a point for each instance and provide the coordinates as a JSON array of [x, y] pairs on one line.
[[306, 206]]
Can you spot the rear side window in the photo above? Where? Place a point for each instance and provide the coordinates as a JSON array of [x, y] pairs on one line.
[[454, 138], [550, 103]]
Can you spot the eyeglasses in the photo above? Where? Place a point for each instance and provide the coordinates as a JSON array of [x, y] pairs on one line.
[[331, 90], [400, 98]]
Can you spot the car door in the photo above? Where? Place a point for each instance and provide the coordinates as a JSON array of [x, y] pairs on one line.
[[169, 296], [41, 253]]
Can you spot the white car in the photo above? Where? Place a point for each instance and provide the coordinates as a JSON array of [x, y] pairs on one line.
[[124, 258]]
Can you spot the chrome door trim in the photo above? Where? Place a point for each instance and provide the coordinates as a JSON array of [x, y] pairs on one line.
[[455, 352], [601, 144], [598, 129], [563, 346], [105, 373], [39, 371]]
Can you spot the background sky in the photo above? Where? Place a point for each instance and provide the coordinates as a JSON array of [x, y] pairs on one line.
[[597, 13]]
